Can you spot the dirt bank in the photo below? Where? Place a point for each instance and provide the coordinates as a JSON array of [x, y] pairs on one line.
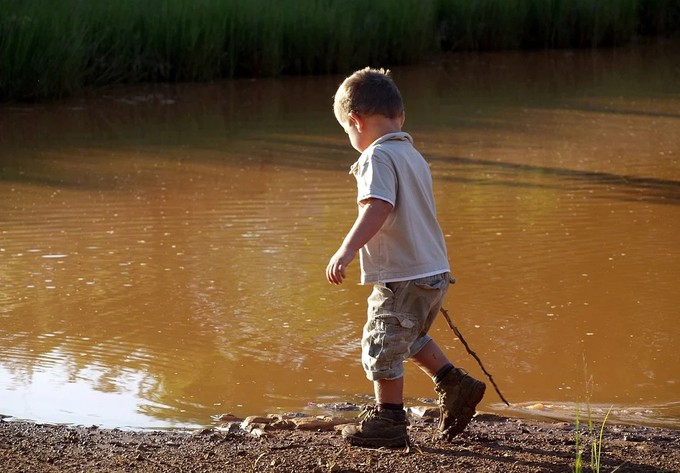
[[490, 444]]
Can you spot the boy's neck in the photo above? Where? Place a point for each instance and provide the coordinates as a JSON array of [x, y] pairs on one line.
[[376, 126]]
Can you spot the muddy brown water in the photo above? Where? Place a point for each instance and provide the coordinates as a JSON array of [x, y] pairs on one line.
[[162, 248]]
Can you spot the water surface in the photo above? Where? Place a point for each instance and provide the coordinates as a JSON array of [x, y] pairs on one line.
[[162, 248]]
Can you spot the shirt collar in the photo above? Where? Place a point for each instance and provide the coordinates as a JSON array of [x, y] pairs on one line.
[[398, 136]]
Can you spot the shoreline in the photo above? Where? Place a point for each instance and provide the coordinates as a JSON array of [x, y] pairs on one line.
[[491, 443]]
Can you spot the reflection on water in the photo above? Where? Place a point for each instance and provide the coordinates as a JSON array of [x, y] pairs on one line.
[[162, 249]]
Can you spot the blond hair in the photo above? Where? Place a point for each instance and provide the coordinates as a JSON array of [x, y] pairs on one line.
[[368, 92]]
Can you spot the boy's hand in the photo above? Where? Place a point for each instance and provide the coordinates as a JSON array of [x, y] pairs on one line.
[[336, 269]]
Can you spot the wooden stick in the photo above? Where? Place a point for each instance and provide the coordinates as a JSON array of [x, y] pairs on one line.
[[474, 355]]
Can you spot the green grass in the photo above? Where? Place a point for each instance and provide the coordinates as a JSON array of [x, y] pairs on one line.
[[595, 439], [496, 24], [57, 47], [591, 439]]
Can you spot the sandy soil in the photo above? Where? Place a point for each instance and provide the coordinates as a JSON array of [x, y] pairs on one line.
[[490, 444]]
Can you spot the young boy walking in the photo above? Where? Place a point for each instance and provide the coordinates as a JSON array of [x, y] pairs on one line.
[[403, 254]]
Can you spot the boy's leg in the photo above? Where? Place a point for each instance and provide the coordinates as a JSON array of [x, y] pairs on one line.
[[431, 359], [385, 344], [397, 313], [383, 425], [389, 391], [459, 393]]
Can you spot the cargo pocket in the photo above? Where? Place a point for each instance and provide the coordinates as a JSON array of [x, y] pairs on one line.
[[391, 335]]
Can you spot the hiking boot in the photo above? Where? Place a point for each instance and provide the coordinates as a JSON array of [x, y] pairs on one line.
[[378, 428], [459, 394]]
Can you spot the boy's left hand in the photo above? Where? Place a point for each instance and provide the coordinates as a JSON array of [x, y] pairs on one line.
[[337, 266]]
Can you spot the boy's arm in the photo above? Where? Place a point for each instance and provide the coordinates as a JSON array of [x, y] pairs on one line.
[[372, 216]]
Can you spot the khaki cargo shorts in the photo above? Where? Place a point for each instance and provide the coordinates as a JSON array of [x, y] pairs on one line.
[[399, 316]]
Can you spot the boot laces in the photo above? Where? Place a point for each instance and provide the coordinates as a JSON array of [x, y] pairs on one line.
[[367, 413]]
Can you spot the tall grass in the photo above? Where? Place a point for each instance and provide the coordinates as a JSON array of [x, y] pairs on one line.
[[659, 17], [52, 49], [40, 53], [56, 47], [581, 23], [501, 24], [596, 438]]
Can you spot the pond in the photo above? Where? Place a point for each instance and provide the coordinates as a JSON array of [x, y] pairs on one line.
[[163, 247]]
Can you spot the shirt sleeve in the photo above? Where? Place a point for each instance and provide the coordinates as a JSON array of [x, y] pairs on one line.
[[376, 178]]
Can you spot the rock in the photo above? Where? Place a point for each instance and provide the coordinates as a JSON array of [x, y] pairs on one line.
[[339, 406], [484, 417], [230, 427], [283, 424], [424, 412], [539, 406], [227, 418], [205, 431], [318, 423], [258, 433], [248, 422], [255, 425], [293, 415]]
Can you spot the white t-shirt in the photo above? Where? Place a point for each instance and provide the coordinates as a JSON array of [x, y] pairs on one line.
[[410, 244]]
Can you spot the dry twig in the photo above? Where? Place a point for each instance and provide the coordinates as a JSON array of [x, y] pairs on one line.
[[474, 355]]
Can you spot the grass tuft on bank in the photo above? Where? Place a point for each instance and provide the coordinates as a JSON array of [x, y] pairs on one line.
[[55, 49]]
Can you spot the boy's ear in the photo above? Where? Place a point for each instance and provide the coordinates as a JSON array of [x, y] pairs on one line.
[[358, 121]]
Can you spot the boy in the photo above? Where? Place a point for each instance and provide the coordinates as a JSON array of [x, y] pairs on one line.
[[403, 254]]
